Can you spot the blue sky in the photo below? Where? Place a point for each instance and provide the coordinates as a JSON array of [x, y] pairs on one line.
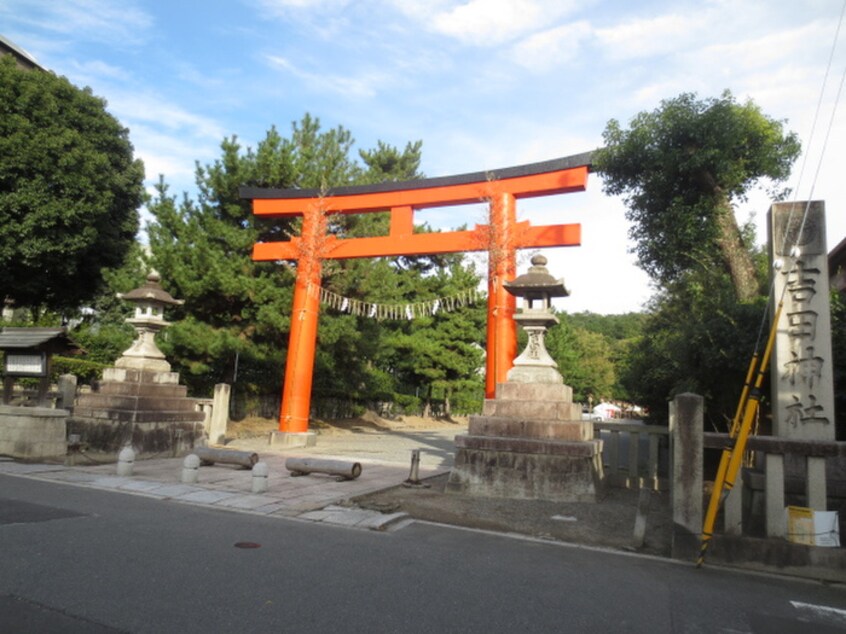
[[484, 84]]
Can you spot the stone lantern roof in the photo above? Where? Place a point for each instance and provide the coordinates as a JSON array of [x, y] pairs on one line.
[[537, 282], [151, 291]]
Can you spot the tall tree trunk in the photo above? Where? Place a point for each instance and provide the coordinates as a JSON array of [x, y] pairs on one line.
[[735, 255]]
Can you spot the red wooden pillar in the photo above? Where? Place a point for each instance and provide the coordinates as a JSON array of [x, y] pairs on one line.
[[502, 267], [302, 340]]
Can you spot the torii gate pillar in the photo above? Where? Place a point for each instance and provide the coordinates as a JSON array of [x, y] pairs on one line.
[[502, 267], [500, 238]]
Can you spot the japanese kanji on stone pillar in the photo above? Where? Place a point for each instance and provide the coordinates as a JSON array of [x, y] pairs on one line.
[[801, 370], [501, 238]]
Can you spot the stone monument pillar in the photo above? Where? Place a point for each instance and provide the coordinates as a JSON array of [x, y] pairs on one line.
[[801, 366], [139, 402], [530, 441]]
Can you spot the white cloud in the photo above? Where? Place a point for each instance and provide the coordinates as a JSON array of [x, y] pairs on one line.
[[284, 7], [363, 85], [93, 20], [97, 69], [153, 108], [653, 36], [485, 23], [553, 47]]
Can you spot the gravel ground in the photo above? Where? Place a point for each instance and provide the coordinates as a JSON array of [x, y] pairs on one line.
[[609, 522]]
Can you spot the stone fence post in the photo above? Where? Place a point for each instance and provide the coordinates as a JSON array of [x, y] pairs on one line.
[[67, 391], [220, 414], [686, 429]]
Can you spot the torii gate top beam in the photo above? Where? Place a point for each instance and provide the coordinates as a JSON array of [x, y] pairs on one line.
[[558, 176]]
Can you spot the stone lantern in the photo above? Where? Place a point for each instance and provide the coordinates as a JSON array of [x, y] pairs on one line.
[[536, 288], [150, 300], [530, 441]]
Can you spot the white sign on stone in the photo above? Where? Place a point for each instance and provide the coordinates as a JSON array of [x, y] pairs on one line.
[[801, 372]]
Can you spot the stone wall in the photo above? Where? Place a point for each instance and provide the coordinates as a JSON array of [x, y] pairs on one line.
[[33, 433]]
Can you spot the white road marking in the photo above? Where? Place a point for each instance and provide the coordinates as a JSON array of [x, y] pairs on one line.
[[821, 610]]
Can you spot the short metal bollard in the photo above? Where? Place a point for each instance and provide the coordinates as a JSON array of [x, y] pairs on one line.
[[190, 469], [126, 461], [261, 471], [414, 474]]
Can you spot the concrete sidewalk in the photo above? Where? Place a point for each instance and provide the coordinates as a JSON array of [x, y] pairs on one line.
[[385, 461]]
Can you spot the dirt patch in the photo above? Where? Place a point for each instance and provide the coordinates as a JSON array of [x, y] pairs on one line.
[[608, 523], [367, 423]]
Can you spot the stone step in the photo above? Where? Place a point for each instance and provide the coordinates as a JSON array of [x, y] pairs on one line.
[[133, 375], [534, 392], [507, 427], [533, 446], [130, 416], [533, 410], [95, 400], [165, 390]]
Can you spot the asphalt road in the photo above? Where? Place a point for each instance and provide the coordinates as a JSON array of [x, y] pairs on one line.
[[82, 560]]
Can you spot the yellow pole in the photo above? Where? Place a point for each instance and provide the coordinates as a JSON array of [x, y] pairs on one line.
[[733, 453]]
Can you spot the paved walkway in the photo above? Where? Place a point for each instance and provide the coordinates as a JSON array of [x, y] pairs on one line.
[[385, 461]]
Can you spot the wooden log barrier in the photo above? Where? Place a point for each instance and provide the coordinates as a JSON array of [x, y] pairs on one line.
[[341, 469], [209, 456]]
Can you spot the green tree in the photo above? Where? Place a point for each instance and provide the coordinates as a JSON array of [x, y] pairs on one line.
[[237, 311], [584, 360], [697, 338], [681, 169], [70, 190], [440, 356]]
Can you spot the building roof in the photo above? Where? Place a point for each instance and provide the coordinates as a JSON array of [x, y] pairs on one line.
[[24, 58], [45, 339]]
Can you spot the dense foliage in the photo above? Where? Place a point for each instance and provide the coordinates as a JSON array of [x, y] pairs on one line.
[[234, 324], [70, 190], [681, 168]]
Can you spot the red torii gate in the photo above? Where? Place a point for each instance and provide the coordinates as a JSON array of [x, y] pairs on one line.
[[501, 238]]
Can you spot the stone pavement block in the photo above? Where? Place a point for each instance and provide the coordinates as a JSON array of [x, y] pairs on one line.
[[206, 497], [142, 486], [250, 502], [175, 490], [381, 521], [109, 482], [316, 516], [74, 477], [307, 505], [348, 517], [274, 508], [25, 468]]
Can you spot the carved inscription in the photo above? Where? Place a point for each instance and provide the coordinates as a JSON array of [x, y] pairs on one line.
[[802, 382], [804, 368]]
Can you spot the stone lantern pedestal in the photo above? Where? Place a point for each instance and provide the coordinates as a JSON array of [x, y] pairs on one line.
[[530, 441], [140, 402]]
